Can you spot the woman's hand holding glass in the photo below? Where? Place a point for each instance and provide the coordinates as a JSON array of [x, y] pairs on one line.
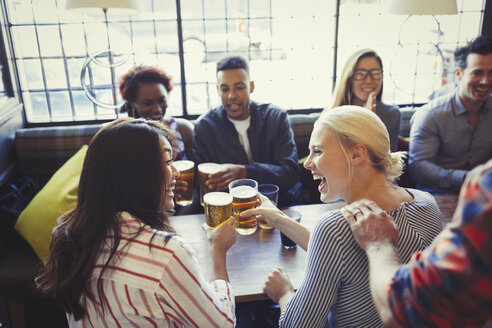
[[222, 237], [267, 212], [220, 240]]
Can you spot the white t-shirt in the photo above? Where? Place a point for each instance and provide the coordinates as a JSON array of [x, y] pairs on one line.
[[242, 130]]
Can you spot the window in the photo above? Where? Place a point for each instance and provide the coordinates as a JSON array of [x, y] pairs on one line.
[[292, 47], [3, 92], [4, 74]]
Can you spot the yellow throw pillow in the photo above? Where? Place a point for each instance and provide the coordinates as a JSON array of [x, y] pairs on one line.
[[58, 196]]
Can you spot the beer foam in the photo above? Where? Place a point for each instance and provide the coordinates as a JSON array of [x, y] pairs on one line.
[[244, 192], [183, 165], [208, 168], [217, 198]]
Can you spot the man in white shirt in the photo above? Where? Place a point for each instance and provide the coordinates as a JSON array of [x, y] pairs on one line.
[[251, 140]]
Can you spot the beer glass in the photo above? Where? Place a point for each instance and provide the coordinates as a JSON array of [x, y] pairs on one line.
[[184, 183], [286, 241], [245, 197], [204, 169], [218, 207], [271, 192]]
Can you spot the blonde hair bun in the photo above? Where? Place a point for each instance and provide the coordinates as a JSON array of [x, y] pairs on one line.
[[357, 125]]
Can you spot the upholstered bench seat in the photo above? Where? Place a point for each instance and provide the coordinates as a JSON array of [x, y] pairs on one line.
[[42, 151]]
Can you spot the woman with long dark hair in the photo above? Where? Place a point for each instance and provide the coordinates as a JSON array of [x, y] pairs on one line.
[[115, 259]]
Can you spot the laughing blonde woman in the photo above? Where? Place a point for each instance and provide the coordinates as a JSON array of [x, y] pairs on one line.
[[350, 154]]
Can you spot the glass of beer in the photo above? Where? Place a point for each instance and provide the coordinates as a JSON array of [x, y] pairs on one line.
[[204, 169], [184, 183], [218, 207], [245, 197], [271, 192]]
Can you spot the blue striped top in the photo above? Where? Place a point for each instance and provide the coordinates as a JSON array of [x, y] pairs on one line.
[[335, 290]]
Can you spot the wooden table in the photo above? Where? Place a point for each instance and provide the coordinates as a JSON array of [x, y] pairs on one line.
[[252, 257]]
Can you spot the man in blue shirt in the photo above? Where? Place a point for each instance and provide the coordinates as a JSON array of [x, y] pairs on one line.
[[453, 134], [249, 139]]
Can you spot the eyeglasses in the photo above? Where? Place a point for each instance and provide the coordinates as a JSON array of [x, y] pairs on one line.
[[361, 74]]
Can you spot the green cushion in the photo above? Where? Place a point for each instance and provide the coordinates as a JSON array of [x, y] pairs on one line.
[[58, 196]]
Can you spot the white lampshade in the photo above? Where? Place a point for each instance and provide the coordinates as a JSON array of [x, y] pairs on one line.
[[121, 5], [420, 7]]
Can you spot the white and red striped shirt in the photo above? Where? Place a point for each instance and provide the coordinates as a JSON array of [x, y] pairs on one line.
[[156, 286]]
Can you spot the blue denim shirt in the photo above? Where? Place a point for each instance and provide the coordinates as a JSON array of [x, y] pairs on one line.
[[444, 146]]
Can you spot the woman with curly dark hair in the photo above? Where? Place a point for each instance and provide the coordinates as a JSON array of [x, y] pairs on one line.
[[146, 90]]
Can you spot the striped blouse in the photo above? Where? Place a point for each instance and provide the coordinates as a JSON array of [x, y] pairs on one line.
[[155, 284], [335, 290]]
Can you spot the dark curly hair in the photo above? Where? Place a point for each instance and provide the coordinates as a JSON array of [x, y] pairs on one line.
[[142, 74]]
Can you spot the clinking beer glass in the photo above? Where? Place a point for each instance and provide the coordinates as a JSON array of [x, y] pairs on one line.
[[218, 207], [204, 169], [184, 183], [245, 197]]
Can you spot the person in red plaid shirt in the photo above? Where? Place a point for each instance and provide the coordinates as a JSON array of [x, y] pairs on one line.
[[449, 284]]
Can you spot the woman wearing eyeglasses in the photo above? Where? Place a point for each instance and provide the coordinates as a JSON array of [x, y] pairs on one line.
[[361, 84]]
